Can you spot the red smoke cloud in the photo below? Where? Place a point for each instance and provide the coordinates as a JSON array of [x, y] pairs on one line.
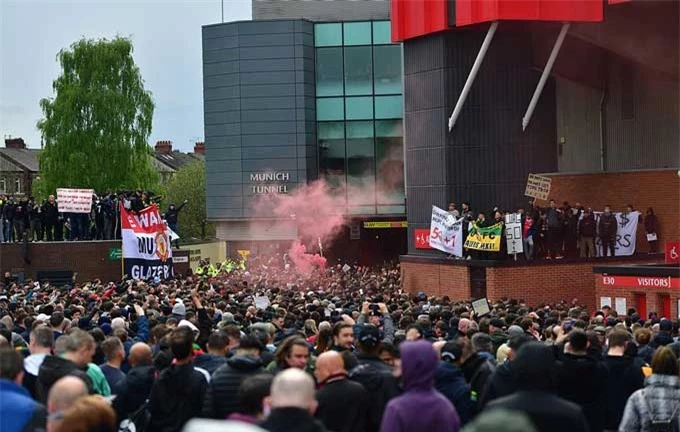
[[304, 262]]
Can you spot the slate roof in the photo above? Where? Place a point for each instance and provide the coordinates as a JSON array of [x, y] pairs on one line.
[[27, 158]]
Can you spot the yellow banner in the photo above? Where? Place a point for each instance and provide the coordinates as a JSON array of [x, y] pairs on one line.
[[373, 225], [484, 238]]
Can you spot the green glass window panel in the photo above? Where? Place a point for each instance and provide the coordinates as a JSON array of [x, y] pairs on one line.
[[388, 107], [331, 130], [393, 209], [359, 108], [389, 128], [360, 129], [329, 109], [362, 210], [328, 34], [387, 75], [358, 71], [382, 32], [329, 73], [357, 33]]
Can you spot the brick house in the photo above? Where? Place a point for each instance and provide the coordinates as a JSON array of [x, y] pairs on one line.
[[18, 167]]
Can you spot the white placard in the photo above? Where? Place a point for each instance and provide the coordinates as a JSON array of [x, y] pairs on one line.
[[513, 233], [346, 268], [651, 237], [74, 200], [538, 186], [481, 307], [621, 305], [262, 302], [605, 301], [446, 233]]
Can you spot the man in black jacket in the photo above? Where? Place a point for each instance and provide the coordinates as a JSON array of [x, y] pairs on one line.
[[343, 403], [221, 398], [218, 343], [292, 404], [625, 377], [607, 227], [134, 389], [374, 375], [533, 369], [50, 218], [478, 365], [177, 394], [583, 380], [502, 382], [172, 217]]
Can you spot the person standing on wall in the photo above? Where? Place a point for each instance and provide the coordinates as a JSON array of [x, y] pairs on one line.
[[607, 228], [651, 227], [553, 220], [172, 218], [587, 230]]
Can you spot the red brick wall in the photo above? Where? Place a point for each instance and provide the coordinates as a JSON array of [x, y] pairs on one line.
[[659, 189], [538, 283], [436, 279], [88, 259]]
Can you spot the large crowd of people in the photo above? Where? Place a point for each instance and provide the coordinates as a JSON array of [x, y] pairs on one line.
[[25, 218], [557, 232], [344, 349]]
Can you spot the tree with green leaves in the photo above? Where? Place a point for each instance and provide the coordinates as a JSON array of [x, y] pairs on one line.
[[189, 184], [95, 129]]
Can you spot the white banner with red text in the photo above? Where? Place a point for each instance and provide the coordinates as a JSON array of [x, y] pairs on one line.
[[147, 253], [446, 233]]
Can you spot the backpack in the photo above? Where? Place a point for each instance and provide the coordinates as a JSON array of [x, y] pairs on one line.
[[670, 424], [137, 421]]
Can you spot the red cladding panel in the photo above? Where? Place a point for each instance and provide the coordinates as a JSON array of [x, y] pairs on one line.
[[413, 18], [478, 11]]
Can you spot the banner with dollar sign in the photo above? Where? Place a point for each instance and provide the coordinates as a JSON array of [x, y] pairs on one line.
[[626, 233]]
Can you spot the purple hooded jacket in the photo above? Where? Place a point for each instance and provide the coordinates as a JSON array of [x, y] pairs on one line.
[[420, 408]]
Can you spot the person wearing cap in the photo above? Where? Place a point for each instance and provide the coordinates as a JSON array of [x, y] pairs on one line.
[[420, 407], [498, 336], [379, 317], [343, 403], [663, 337], [502, 381], [624, 378], [450, 381], [376, 376], [534, 372]]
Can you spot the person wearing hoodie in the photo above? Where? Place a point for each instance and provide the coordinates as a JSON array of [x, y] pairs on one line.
[[534, 372], [583, 379], [450, 382], [41, 341], [376, 376], [71, 358], [420, 407], [478, 364], [656, 407], [177, 394], [497, 335], [135, 387], [18, 411], [624, 378], [502, 382], [218, 346], [221, 398]]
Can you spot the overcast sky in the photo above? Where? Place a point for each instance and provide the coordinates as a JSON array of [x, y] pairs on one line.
[[167, 48]]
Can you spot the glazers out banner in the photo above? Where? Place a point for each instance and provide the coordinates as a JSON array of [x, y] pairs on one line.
[[147, 253]]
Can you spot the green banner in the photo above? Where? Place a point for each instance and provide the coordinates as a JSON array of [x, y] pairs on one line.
[[484, 238], [115, 254]]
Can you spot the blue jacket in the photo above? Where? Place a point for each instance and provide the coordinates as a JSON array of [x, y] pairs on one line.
[[450, 381], [18, 412]]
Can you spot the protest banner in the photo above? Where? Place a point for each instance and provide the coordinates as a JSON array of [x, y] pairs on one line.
[[538, 187], [513, 233], [74, 200], [626, 233], [446, 233], [484, 238], [146, 244]]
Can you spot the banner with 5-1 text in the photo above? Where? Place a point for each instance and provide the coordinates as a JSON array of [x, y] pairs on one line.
[[74, 200], [147, 252], [446, 233], [484, 239]]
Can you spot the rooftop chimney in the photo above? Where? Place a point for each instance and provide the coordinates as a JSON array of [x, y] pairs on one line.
[[199, 148], [15, 143], [164, 147]]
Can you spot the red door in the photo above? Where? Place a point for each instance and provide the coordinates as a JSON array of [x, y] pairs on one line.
[[665, 306], [641, 305]]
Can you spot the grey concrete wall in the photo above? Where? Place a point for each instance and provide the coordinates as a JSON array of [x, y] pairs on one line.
[[258, 86], [322, 10]]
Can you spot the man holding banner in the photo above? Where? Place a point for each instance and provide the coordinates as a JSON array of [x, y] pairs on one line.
[[446, 232]]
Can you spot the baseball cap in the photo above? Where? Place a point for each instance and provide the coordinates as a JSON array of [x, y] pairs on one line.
[[452, 351], [497, 322], [665, 325], [369, 335]]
